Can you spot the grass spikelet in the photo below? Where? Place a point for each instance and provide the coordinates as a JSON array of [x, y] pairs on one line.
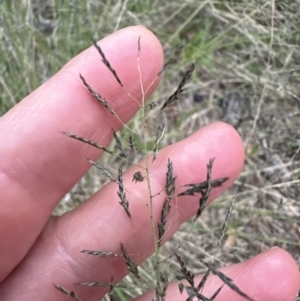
[[192, 293], [104, 171], [139, 46], [99, 284], [170, 191], [87, 141], [203, 280], [179, 90], [228, 281], [107, 63], [132, 144], [170, 184], [98, 96], [159, 134], [172, 60], [66, 292], [206, 192], [110, 293], [223, 230], [161, 287], [162, 226], [180, 287], [122, 195], [132, 267], [119, 145], [224, 226], [217, 292], [189, 276], [100, 254], [200, 187]]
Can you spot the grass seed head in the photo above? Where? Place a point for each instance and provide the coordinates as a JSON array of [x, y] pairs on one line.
[[132, 267], [107, 64], [98, 96]]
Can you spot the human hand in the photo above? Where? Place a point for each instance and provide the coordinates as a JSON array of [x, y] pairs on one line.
[[39, 166]]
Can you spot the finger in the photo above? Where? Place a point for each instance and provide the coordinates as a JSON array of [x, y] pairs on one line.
[[101, 223], [269, 276], [38, 163]]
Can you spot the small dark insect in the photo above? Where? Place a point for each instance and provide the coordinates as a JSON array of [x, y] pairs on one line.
[[138, 177]]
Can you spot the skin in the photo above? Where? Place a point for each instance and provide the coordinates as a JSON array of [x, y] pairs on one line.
[[39, 165]]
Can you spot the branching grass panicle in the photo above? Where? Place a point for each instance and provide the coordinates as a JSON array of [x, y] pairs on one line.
[[161, 266]]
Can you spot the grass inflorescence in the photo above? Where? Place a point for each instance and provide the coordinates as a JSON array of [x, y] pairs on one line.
[[160, 228]]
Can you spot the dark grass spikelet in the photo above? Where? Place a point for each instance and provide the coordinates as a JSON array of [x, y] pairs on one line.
[[139, 46], [132, 144], [162, 225], [110, 294], [104, 171], [119, 145], [224, 226], [206, 192], [176, 94], [217, 292], [98, 96], [170, 183], [107, 63], [170, 191], [132, 267], [180, 287], [200, 187], [161, 287], [66, 292], [192, 293], [201, 284], [228, 281], [189, 276], [122, 195], [159, 134], [87, 141], [99, 284], [172, 60], [100, 254]]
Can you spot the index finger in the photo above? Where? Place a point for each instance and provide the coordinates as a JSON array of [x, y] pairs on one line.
[[39, 164]]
